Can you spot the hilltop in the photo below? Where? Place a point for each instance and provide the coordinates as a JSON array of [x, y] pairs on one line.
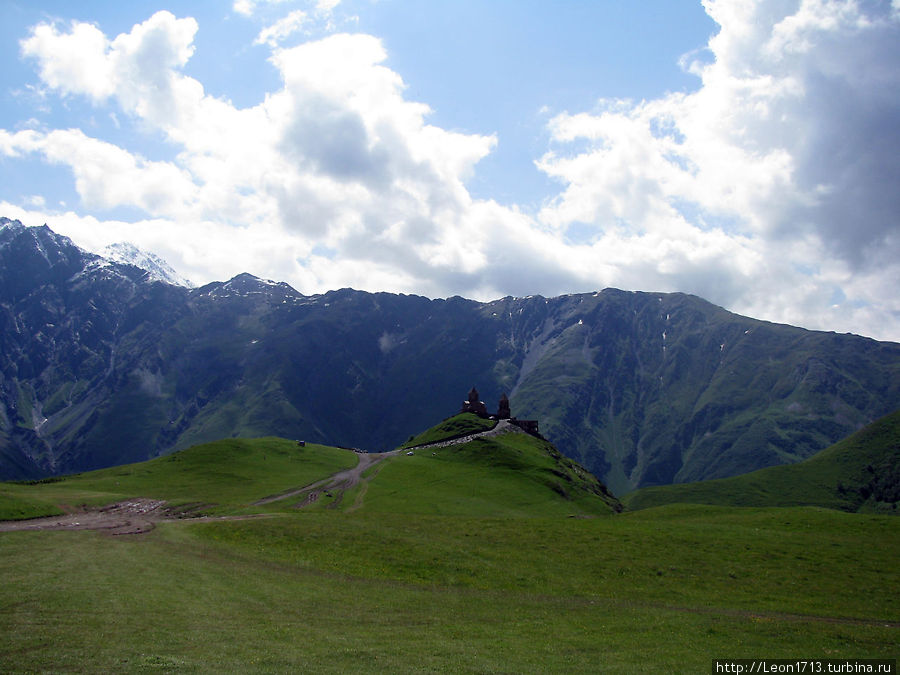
[[507, 473]]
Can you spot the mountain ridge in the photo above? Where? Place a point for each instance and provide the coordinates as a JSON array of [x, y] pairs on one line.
[[100, 365]]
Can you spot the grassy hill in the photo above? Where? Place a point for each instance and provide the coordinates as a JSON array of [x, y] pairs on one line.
[[224, 476], [465, 560], [512, 474], [860, 473], [452, 427]]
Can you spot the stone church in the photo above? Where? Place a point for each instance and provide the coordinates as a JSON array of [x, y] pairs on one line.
[[473, 404]]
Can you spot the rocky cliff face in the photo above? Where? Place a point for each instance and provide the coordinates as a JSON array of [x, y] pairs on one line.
[[101, 365]]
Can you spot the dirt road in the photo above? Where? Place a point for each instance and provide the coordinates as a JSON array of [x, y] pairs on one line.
[[338, 483]]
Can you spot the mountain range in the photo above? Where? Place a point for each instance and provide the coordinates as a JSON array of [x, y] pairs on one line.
[[101, 363]]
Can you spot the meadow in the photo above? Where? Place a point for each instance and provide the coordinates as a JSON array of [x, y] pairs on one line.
[[436, 564]]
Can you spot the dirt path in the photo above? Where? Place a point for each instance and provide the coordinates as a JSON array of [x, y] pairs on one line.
[[133, 516], [502, 427], [338, 483], [140, 515]]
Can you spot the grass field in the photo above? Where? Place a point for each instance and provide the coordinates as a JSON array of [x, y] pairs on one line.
[[508, 475], [442, 565]]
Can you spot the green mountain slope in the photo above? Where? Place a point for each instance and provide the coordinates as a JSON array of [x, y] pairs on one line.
[[453, 427], [860, 473], [651, 389]]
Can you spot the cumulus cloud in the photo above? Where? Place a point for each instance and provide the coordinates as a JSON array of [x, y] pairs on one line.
[[106, 176], [73, 62], [337, 159], [770, 189]]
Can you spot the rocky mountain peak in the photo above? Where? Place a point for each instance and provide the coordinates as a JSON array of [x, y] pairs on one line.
[[158, 269]]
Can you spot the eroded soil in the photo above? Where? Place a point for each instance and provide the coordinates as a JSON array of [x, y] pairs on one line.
[[132, 516]]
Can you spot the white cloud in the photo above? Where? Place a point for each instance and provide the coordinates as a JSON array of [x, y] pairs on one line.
[[107, 176], [281, 29], [326, 6], [73, 62], [337, 158], [248, 7]]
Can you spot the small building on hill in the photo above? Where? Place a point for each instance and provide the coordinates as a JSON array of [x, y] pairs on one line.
[[473, 404]]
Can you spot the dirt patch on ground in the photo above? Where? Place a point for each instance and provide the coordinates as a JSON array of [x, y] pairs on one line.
[[133, 516], [140, 515]]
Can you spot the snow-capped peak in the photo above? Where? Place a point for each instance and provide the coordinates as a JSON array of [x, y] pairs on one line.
[[156, 267]]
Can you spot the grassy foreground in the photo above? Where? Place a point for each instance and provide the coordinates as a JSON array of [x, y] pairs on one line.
[[411, 576], [661, 591]]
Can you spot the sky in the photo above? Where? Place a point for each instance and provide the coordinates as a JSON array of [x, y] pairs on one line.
[[746, 151]]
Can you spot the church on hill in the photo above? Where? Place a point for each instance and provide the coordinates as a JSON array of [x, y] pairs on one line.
[[474, 404]]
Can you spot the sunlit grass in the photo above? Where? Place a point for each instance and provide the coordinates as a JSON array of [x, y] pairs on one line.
[[465, 560], [454, 427], [221, 476], [334, 592]]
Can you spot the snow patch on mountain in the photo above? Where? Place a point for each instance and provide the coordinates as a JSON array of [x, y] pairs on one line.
[[156, 267]]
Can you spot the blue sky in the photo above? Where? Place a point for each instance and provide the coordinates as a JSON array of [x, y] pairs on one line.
[[744, 151]]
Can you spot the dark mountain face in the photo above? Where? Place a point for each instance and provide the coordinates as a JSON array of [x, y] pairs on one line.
[[68, 322], [101, 366]]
